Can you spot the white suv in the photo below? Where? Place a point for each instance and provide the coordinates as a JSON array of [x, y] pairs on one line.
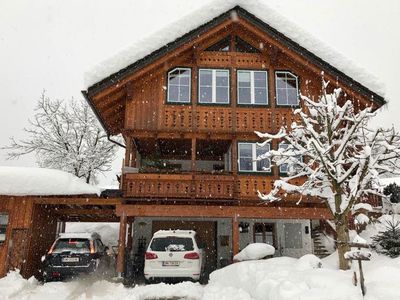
[[174, 254]]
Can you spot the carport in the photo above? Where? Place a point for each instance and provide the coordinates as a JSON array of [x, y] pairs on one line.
[[128, 212]]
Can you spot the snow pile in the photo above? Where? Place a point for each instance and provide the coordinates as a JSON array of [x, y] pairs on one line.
[[254, 251], [108, 231], [20, 181], [14, 284], [140, 48], [285, 278]]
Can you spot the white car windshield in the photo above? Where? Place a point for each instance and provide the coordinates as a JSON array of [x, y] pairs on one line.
[[172, 243]]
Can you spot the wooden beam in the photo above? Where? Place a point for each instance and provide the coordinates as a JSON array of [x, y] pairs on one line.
[[90, 200], [128, 151], [78, 211], [193, 154], [235, 235], [258, 212], [121, 245]]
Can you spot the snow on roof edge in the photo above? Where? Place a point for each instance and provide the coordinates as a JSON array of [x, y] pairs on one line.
[[196, 18], [26, 181]]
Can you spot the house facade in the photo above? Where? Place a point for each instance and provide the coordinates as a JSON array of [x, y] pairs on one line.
[[187, 108], [188, 111]]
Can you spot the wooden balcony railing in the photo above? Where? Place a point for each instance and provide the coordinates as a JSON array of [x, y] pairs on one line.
[[199, 186], [212, 119], [178, 186]]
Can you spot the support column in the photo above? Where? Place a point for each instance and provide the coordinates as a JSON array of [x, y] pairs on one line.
[[121, 244], [128, 151], [129, 239], [235, 235], [133, 154]]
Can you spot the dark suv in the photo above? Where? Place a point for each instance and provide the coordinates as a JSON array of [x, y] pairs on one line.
[[75, 253]]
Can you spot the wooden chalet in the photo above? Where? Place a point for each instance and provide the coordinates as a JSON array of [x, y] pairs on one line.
[[187, 113]]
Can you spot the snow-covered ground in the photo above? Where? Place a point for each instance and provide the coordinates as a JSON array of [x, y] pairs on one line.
[[280, 278]]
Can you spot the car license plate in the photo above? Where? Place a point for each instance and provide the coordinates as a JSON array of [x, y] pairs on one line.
[[170, 263], [70, 259]]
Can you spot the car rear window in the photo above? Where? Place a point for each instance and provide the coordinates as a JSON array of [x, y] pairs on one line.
[[172, 243], [72, 245]]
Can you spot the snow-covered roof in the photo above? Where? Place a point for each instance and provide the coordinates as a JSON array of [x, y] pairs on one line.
[[79, 235], [22, 181], [141, 48], [387, 181]]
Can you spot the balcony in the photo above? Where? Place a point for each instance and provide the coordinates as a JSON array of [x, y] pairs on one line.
[[188, 186], [207, 187]]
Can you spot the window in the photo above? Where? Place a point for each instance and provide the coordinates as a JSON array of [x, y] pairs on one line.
[[214, 86], [72, 245], [252, 87], [248, 153], [223, 45], [3, 226], [179, 85], [284, 168], [243, 46], [172, 243], [286, 89]]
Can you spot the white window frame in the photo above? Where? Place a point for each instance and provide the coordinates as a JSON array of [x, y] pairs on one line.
[[190, 85], [276, 88], [252, 88], [214, 87], [254, 158]]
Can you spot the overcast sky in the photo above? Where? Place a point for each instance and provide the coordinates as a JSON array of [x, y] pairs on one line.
[[48, 45]]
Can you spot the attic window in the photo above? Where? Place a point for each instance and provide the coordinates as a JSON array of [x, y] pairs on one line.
[[223, 45], [243, 46], [240, 45]]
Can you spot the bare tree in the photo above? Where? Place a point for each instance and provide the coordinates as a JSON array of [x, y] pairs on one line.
[[66, 136], [336, 153]]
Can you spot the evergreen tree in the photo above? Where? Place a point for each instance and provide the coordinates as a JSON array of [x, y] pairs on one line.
[[388, 242], [392, 190]]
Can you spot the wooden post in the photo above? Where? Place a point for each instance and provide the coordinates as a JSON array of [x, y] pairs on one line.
[[121, 245], [235, 235], [193, 154], [133, 154], [128, 151], [234, 161], [129, 240]]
